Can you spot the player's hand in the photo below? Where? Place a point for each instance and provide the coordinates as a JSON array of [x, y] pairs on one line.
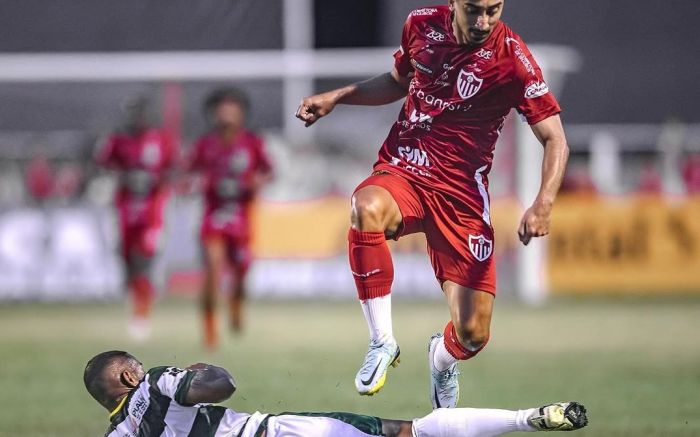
[[314, 107], [535, 222]]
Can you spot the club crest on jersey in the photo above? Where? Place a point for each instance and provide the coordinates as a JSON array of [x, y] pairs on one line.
[[480, 246], [468, 84]]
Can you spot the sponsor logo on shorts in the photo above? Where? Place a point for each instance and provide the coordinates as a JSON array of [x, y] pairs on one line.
[[536, 89], [480, 246], [468, 84]]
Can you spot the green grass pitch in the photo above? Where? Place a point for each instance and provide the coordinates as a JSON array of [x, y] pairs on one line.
[[634, 363]]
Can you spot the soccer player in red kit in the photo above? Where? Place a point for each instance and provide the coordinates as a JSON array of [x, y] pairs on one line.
[[235, 166], [143, 156], [460, 70]]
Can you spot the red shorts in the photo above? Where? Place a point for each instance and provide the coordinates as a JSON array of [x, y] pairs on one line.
[[460, 245], [141, 225], [141, 241], [231, 224]]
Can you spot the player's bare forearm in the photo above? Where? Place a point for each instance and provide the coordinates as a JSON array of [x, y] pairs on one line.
[[556, 155], [536, 220], [379, 90], [210, 384]]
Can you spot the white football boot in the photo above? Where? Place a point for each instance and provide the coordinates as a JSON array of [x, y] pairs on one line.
[[444, 386], [561, 416], [372, 375]]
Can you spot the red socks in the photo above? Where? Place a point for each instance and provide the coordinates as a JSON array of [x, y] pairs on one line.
[[370, 261], [142, 295], [455, 347]]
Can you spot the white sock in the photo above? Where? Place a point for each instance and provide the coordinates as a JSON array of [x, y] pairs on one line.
[[378, 316], [442, 358], [471, 422]]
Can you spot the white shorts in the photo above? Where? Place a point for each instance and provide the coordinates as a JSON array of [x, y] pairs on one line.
[[310, 426]]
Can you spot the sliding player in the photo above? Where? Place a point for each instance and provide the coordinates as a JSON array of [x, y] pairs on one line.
[[461, 70], [177, 402], [235, 166], [143, 157]]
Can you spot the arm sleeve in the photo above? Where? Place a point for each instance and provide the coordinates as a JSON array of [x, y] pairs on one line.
[[535, 101], [106, 155], [402, 57], [172, 382]]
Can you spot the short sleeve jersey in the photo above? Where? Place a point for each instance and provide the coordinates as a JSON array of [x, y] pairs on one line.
[[229, 169], [142, 160], [157, 407], [458, 99]]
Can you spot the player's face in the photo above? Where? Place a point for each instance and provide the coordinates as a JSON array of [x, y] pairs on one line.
[[476, 19], [229, 115]]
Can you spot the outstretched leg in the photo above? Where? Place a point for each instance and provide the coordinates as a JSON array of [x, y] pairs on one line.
[[483, 422]]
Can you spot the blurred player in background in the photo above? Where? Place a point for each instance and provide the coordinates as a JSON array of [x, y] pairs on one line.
[[235, 166], [461, 70], [143, 156], [177, 402]]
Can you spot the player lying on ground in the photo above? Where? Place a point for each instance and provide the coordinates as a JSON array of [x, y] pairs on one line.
[[176, 402], [460, 71]]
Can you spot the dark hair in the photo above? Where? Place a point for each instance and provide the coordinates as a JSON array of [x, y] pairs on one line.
[[96, 382], [226, 94]]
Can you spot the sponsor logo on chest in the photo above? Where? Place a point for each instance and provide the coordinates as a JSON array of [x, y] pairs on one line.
[[435, 35], [150, 155], [485, 54], [138, 406], [423, 12]]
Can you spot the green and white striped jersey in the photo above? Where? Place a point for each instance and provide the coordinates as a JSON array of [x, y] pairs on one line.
[[156, 408]]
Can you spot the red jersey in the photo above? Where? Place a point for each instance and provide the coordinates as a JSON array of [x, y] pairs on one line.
[[458, 99], [142, 159], [229, 169]]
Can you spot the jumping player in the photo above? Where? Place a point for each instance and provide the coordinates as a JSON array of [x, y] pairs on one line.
[[461, 70], [235, 166], [143, 156], [177, 402]]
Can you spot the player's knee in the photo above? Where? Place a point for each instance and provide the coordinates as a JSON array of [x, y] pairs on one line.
[[473, 333], [368, 212]]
